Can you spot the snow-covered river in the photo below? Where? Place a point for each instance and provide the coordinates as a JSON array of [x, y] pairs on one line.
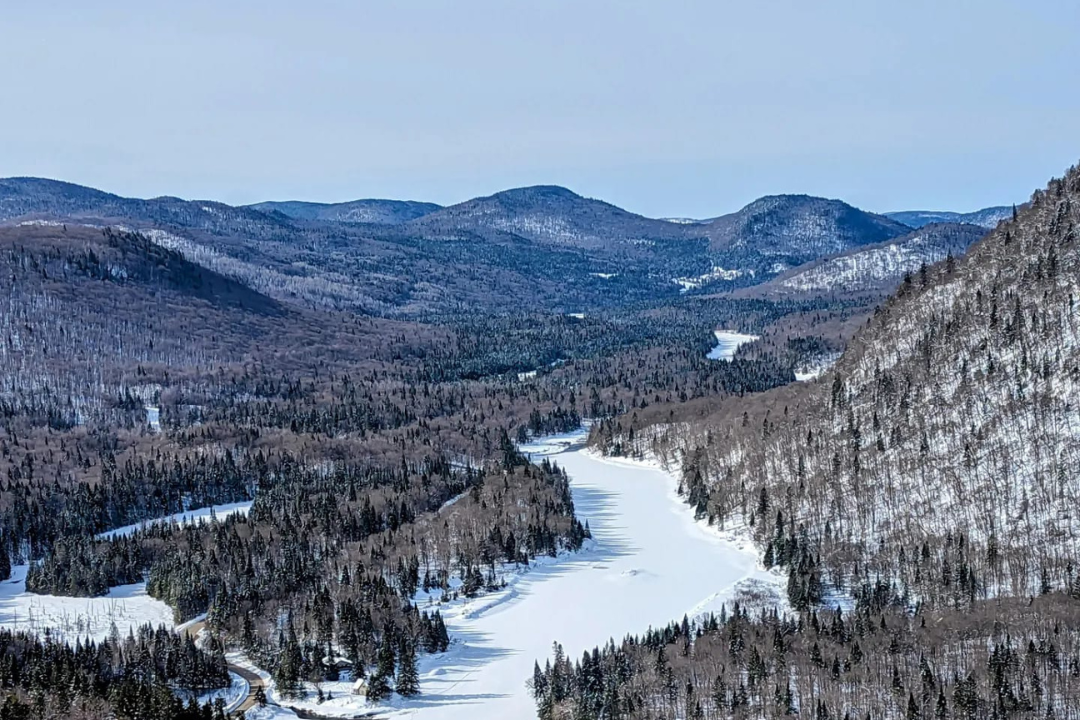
[[727, 342], [651, 564]]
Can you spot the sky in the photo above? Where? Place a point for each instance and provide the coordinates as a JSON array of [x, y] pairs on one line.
[[668, 108]]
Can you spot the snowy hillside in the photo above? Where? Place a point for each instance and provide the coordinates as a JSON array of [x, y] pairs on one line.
[[778, 232], [920, 497], [986, 218], [954, 415], [880, 267], [556, 216], [386, 212]]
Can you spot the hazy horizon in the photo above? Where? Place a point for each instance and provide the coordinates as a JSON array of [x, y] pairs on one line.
[[681, 109]]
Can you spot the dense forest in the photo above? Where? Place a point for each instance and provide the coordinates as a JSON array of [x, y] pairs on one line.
[[147, 373], [128, 678], [378, 453], [928, 479]]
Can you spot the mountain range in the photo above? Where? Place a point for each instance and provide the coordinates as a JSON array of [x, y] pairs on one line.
[[547, 246], [873, 268]]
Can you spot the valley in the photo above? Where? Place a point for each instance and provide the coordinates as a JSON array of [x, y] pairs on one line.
[[539, 361], [414, 508]]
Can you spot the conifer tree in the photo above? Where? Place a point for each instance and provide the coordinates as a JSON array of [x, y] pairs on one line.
[[408, 679], [378, 688]]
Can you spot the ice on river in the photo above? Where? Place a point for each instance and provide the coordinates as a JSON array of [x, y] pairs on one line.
[[651, 563], [206, 514], [727, 342]]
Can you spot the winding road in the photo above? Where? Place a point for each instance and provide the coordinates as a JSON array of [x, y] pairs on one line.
[[254, 681]]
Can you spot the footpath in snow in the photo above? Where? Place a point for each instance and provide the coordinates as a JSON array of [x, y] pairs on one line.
[[650, 564]]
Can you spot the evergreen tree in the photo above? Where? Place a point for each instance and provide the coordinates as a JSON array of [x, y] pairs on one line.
[[378, 688], [5, 559], [408, 679]]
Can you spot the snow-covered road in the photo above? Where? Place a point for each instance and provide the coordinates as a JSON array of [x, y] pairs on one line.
[[651, 563]]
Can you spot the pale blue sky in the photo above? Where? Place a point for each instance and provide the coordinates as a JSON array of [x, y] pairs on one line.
[[666, 108]]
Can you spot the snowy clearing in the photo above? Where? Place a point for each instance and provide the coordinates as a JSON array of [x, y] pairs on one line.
[[153, 418], [717, 273], [650, 563], [208, 514], [72, 618], [727, 342]]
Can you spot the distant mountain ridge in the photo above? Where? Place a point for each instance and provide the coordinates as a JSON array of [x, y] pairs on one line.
[[987, 217], [552, 215], [386, 212], [546, 246]]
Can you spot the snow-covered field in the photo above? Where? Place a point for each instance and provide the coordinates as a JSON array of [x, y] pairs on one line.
[[216, 512], [650, 564], [70, 618], [727, 342]]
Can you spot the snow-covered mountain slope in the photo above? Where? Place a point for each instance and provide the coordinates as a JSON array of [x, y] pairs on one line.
[[382, 212], [947, 436], [987, 217], [881, 267]]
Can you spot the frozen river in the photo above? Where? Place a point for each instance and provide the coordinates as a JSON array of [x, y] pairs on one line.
[[651, 564]]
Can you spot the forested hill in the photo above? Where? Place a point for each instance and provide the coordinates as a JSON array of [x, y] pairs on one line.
[[954, 411], [873, 269], [553, 215], [931, 478], [383, 212], [777, 232], [987, 217]]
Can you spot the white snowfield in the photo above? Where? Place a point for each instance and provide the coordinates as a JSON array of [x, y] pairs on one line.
[[70, 618], [207, 514], [727, 342]]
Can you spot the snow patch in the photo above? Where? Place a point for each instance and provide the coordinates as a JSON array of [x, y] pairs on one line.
[[153, 418], [207, 514], [727, 342], [717, 273]]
